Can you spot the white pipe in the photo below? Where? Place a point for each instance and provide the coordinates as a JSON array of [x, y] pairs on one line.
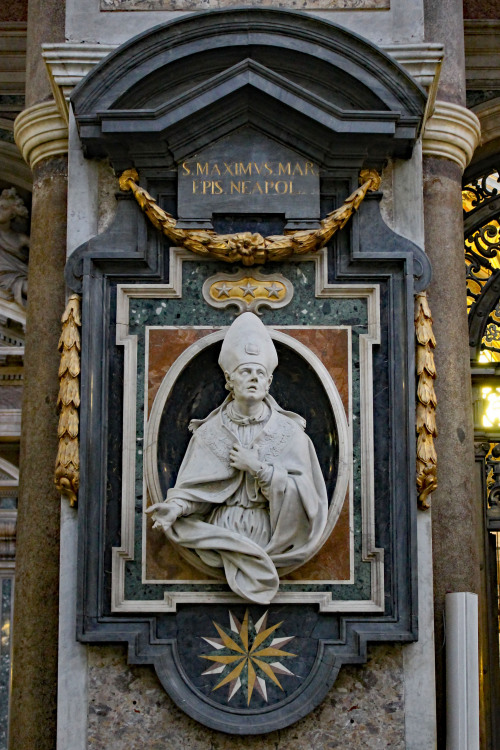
[[462, 672]]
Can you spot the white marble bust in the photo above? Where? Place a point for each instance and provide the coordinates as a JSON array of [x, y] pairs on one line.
[[250, 496]]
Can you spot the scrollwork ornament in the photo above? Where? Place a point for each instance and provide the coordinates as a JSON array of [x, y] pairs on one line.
[[67, 472], [483, 189], [426, 401], [492, 461], [247, 247]]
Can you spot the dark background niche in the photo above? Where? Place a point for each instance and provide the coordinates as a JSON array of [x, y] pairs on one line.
[[264, 224], [200, 388]]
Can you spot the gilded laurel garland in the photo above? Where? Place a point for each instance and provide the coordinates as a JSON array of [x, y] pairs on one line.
[[426, 401], [67, 473], [247, 247]]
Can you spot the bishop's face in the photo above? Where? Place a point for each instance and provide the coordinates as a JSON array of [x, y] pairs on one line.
[[250, 383]]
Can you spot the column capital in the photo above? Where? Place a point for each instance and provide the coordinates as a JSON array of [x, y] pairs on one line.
[[452, 132], [41, 132]]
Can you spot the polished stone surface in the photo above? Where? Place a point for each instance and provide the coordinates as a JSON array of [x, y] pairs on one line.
[[456, 516], [198, 5], [6, 602], [296, 647], [11, 396], [296, 388], [35, 657], [73, 672], [129, 710], [248, 172], [404, 22]]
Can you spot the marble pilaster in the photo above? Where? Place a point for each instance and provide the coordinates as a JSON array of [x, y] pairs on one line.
[[35, 647], [34, 687], [455, 517]]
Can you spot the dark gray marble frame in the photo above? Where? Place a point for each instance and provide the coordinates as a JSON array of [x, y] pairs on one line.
[[172, 90], [131, 251], [126, 258]]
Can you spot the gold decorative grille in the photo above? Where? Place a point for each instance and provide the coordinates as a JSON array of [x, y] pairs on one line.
[[481, 204]]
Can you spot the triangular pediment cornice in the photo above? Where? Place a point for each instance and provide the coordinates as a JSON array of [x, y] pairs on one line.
[[220, 67], [247, 73]]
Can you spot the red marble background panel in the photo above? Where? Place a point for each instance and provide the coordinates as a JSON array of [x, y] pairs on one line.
[[331, 346]]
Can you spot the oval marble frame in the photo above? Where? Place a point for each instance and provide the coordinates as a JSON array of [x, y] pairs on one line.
[[344, 438]]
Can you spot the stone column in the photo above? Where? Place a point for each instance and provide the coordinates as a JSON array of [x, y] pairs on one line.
[[41, 135], [450, 137]]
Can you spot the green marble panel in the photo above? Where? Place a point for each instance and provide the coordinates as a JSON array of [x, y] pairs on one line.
[[8, 503], [6, 601], [304, 309]]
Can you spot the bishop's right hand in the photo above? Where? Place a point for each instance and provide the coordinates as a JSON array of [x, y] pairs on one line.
[[164, 515]]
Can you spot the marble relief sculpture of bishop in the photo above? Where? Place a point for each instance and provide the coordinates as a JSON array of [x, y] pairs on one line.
[[250, 496]]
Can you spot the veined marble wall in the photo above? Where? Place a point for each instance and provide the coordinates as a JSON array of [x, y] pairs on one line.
[[110, 5], [129, 710], [6, 601], [115, 21], [386, 703]]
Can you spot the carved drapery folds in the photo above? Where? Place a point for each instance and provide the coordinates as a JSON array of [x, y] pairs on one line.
[[426, 401], [247, 247], [67, 474]]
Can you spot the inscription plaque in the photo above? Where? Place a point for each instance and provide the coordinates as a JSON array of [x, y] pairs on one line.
[[248, 172]]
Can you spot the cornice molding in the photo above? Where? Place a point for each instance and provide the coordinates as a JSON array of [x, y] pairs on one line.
[[489, 117], [421, 61], [12, 59], [68, 63], [482, 54], [10, 423], [40, 132], [452, 132], [12, 311], [13, 168]]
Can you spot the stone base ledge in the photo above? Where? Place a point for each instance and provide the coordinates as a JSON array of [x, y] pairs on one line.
[[452, 132]]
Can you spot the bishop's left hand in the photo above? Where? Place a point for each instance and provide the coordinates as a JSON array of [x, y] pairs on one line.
[[244, 459]]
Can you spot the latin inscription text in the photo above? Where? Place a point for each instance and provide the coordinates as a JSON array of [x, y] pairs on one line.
[[248, 177]]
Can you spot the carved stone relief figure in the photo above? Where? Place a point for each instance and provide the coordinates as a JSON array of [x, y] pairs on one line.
[[250, 496], [13, 248]]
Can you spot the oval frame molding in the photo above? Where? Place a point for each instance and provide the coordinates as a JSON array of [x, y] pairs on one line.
[[344, 438]]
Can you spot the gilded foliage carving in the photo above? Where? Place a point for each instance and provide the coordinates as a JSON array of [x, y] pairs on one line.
[[247, 247], [67, 473], [426, 401]]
